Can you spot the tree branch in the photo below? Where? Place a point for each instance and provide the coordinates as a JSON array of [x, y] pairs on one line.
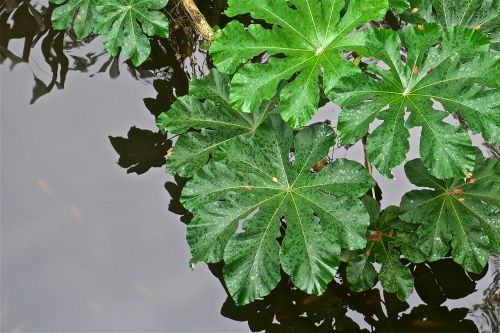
[[200, 23], [368, 165]]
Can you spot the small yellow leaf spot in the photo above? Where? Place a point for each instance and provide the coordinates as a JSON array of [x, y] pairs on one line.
[[169, 153], [477, 27], [461, 199], [78, 17], [420, 27], [391, 233], [414, 10], [248, 187], [469, 175], [368, 252], [275, 180]]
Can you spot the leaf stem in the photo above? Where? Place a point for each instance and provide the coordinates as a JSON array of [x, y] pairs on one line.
[[368, 165]]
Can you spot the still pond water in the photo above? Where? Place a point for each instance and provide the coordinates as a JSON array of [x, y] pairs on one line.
[[93, 235]]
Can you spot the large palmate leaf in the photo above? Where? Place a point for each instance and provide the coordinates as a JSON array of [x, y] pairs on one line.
[[458, 213], [241, 203], [388, 237], [307, 37], [444, 74], [215, 122], [482, 15], [80, 14], [126, 24]]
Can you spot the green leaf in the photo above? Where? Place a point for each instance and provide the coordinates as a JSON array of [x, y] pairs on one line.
[[399, 6], [483, 15], [243, 203], [124, 24], [446, 74], [361, 273], [127, 24], [214, 121], [80, 14], [388, 238], [461, 214], [394, 276], [307, 38]]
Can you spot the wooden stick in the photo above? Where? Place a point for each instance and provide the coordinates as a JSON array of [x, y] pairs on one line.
[[201, 24]]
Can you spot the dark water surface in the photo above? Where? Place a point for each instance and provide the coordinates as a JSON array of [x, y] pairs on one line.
[[93, 236]]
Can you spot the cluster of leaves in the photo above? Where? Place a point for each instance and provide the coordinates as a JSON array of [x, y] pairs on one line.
[[461, 214], [123, 24], [475, 14], [262, 201], [388, 237], [264, 193], [253, 181]]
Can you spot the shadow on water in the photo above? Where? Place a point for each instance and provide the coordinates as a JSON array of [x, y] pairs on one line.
[[340, 310], [31, 22], [172, 63], [141, 150]]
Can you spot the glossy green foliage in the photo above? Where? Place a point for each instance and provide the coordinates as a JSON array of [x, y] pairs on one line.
[[124, 24], [127, 24], [483, 15], [399, 6], [307, 38], [205, 126], [459, 213], [265, 187], [388, 238], [459, 73], [79, 14], [266, 198]]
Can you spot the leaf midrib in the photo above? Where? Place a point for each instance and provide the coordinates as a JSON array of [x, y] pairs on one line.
[[347, 226], [304, 236], [464, 233], [264, 234]]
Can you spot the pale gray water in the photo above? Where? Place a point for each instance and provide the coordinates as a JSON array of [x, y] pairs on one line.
[[86, 247]]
